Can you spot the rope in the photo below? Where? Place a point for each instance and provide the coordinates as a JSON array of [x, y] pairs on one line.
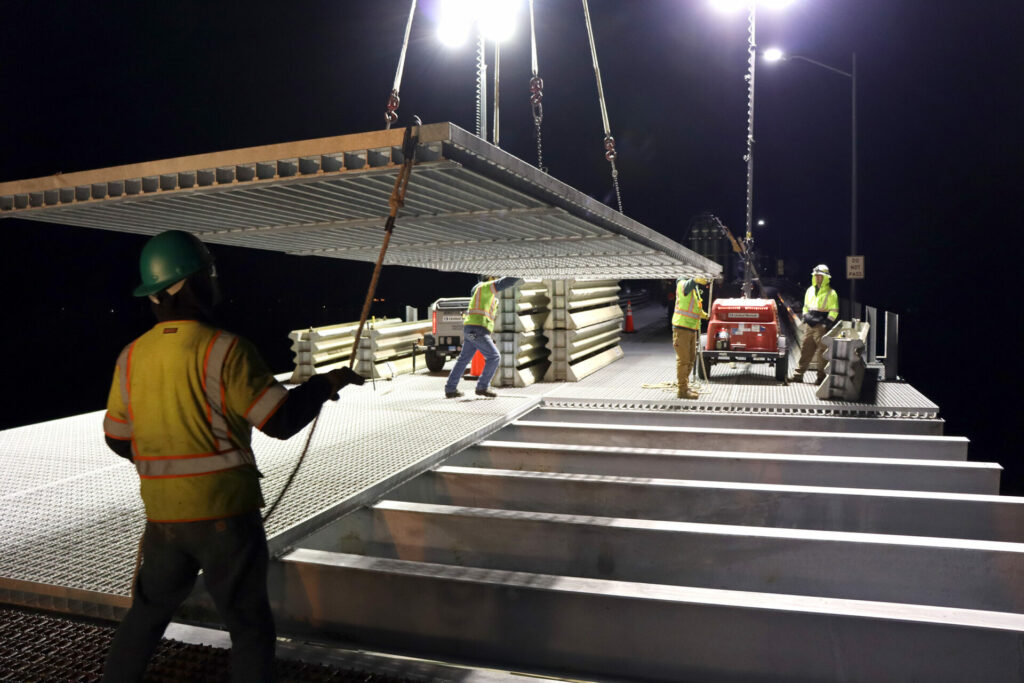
[[391, 113], [396, 201], [609, 142], [700, 356], [536, 92]]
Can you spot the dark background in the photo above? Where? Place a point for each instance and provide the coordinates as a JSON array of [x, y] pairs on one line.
[[88, 85]]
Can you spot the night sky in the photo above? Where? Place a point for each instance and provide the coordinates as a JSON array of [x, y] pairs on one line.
[[940, 110]]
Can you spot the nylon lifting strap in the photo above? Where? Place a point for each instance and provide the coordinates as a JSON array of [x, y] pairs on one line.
[[391, 110], [396, 201], [609, 141], [536, 92]]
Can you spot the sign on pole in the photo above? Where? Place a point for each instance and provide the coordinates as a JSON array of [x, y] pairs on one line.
[[854, 267]]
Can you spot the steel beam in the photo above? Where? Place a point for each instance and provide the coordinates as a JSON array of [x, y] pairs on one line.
[[903, 569], [950, 476], [637, 631], [910, 513], [744, 440], [735, 420]]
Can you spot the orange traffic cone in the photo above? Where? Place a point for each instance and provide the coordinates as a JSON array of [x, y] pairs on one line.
[[476, 367], [629, 318]]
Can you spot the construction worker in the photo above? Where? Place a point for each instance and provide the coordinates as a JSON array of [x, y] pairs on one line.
[[182, 405], [821, 308], [688, 312], [478, 324]]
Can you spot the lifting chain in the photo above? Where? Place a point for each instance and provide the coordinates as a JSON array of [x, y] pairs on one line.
[[610, 154], [536, 92], [391, 115], [537, 104]]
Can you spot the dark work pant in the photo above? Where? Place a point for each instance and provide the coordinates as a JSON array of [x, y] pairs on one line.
[[233, 555]]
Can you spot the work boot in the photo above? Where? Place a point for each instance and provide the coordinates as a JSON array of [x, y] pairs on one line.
[[819, 379], [452, 394], [796, 378], [691, 394], [487, 393]]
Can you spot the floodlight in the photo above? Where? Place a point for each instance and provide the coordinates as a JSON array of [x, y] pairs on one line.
[[773, 54], [729, 5], [456, 22], [497, 18]]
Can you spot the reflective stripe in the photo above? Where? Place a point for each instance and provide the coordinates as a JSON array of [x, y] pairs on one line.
[[167, 466], [265, 405], [116, 429], [687, 318], [213, 368], [111, 425]]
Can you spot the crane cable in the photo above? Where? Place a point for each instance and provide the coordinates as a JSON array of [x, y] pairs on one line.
[[396, 201], [390, 112], [536, 92], [609, 141]]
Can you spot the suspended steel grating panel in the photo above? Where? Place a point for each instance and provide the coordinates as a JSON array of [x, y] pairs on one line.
[[470, 207]]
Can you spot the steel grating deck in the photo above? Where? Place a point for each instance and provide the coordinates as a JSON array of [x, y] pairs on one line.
[[70, 514], [470, 207]]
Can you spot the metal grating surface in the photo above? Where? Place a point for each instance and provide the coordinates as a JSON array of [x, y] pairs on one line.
[[470, 207], [70, 514]]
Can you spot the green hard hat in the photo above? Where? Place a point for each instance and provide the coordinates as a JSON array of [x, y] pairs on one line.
[[169, 257]]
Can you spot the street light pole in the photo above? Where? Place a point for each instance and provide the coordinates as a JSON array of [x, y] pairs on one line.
[[852, 75]]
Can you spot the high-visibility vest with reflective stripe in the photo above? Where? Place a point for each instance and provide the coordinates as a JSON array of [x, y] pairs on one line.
[[483, 306], [187, 395], [688, 308], [825, 300]]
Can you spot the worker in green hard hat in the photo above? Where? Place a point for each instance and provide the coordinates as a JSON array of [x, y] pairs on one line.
[[183, 402], [689, 311]]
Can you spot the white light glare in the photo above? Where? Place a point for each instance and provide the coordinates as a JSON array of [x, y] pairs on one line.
[[729, 5], [497, 18], [736, 5], [773, 54], [456, 21]]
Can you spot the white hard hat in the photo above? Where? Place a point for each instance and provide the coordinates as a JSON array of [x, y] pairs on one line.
[[821, 269]]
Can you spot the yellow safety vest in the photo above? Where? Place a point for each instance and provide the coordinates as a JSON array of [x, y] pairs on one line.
[[689, 307], [483, 306], [825, 300], [187, 395]]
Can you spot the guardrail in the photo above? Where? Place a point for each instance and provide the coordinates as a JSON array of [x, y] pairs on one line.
[[519, 334], [386, 348], [583, 328]]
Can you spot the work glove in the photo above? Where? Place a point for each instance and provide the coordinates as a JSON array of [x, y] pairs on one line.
[[341, 378]]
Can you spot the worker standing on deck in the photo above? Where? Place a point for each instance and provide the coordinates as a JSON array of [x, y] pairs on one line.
[[821, 309], [689, 311], [478, 324], [182, 406]]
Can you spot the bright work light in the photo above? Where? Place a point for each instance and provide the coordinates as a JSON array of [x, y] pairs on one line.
[[773, 54], [495, 18]]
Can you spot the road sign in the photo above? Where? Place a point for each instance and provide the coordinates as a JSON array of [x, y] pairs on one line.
[[854, 267]]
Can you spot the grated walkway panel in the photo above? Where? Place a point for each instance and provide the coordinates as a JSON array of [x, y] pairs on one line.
[[70, 514]]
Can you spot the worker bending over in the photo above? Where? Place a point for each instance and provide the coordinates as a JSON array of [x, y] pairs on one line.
[[821, 308], [184, 400], [689, 311], [478, 324]]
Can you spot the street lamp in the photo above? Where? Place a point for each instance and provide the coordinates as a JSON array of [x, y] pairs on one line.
[[751, 7], [776, 55], [494, 21]]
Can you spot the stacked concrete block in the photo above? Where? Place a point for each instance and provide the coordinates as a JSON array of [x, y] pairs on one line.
[[387, 349], [583, 328], [845, 355], [322, 349], [519, 334]]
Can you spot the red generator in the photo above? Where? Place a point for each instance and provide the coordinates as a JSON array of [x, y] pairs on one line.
[[745, 330]]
